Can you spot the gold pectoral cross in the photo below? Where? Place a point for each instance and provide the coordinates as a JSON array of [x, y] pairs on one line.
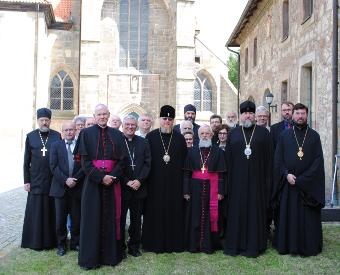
[[43, 150]]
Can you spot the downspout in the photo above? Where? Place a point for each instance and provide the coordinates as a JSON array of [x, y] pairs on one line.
[[238, 79], [80, 18], [335, 83], [35, 77]]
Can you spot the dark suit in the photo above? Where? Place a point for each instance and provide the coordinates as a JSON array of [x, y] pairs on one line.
[[195, 130], [67, 200], [133, 199], [275, 132]]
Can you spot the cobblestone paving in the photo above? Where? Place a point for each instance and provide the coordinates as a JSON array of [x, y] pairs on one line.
[[12, 210]]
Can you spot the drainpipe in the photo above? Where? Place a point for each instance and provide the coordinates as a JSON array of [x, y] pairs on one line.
[[79, 54], [335, 83], [35, 77], [238, 79]]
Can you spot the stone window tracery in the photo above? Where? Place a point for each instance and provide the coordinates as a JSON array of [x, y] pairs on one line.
[[202, 93], [62, 92]]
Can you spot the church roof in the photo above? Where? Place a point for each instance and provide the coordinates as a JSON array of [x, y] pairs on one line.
[[242, 22]]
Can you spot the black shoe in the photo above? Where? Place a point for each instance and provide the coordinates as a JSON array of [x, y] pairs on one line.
[[61, 251], [134, 253], [74, 248], [89, 267]]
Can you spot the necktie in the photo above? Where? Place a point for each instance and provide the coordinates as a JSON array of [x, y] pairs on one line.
[[70, 158]]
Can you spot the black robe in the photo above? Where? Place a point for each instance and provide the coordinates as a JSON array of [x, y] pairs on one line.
[[198, 234], [163, 222], [98, 237], [299, 228], [39, 222], [248, 185]]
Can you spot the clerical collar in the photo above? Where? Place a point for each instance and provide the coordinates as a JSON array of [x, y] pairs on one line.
[[129, 139], [102, 127]]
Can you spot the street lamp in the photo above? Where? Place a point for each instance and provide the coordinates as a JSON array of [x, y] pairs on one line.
[[269, 100]]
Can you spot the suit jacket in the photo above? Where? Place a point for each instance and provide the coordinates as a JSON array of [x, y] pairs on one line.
[[59, 168], [275, 132], [142, 160]]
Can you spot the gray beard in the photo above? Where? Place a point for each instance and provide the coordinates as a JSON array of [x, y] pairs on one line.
[[165, 131], [204, 143], [44, 129], [231, 124], [247, 123]]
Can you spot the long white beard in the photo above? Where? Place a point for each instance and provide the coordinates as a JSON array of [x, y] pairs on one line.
[[166, 130], [247, 123], [204, 143], [231, 124]]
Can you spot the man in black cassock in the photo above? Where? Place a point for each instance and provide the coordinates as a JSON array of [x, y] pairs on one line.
[[299, 190], [163, 220], [134, 190], [203, 188], [66, 188], [248, 156], [190, 115], [102, 158], [39, 222]]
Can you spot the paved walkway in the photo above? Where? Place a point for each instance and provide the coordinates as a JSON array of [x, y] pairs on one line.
[[12, 210]]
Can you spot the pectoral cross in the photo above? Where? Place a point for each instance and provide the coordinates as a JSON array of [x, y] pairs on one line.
[[43, 150], [203, 169], [132, 166]]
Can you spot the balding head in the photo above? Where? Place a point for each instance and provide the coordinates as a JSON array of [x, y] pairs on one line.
[[101, 115], [69, 130]]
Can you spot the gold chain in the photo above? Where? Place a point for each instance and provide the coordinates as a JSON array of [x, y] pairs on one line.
[[251, 137], [166, 150], [203, 163], [303, 142]]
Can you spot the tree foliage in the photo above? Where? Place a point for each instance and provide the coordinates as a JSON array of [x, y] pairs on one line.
[[233, 69]]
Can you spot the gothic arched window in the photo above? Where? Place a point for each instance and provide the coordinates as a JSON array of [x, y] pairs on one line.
[[61, 92], [133, 33], [202, 94]]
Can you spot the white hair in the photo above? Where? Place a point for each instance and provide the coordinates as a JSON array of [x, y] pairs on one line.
[[261, 109], [130, 117], [181, 126]]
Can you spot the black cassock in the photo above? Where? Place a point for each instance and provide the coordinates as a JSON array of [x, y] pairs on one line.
[[298, 229], [163, 221], [200, 234], [248, 186], [99, 242], [39, 222]]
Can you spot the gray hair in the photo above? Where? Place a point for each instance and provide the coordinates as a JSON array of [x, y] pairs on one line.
[[144, 115], [185, 121], [204, 126], [79, 118], [261, 109], [130, 117]]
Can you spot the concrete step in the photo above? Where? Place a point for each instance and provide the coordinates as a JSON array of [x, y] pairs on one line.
[[329, 214]]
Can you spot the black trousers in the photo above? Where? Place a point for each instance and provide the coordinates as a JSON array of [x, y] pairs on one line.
[[135, 205], [68, 204]]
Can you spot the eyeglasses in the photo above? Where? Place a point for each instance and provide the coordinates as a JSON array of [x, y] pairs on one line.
[[188, 139], [222, 134], [167, 118]]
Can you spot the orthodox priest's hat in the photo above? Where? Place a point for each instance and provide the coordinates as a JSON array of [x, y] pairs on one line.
[[189, 108], [167, 111], [247, 106], [44, 112]]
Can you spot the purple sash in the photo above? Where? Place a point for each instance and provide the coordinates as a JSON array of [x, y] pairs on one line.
[[108, 166], [213, 179]]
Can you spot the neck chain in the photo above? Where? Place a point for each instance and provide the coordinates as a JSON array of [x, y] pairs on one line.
[[131, 156], [300, 152], [43, 150], [205, 161], [247, 150], [166, 156]]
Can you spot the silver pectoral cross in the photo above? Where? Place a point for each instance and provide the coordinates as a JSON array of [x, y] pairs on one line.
[[43, 150], [133, 166]]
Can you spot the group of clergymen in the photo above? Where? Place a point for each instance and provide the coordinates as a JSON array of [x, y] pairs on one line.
[[198, 188]]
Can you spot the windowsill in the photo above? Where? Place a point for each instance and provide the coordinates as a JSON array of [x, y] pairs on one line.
[[63, 114]]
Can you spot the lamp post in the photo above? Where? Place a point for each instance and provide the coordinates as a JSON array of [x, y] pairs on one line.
[[269, 100]]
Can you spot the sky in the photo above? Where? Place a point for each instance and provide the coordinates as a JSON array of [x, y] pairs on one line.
[[216, 20]]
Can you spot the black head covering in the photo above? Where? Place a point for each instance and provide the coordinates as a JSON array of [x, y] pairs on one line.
[[167, 111], [247, 106], [44, 112], [190, 108]]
